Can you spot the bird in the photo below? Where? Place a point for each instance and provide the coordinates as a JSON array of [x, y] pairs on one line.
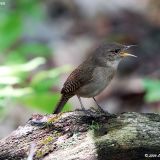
[[91, 77]]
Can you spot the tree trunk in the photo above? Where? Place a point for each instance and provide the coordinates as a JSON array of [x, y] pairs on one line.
[[79, 136]]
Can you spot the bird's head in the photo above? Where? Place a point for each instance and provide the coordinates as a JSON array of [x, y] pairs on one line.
[[111, 54]]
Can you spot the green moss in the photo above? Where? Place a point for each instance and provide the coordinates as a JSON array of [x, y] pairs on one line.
[[94, 126], [57, 134], [47, 140], [39, 154], [54, 119], [42, 151], [44, 143]]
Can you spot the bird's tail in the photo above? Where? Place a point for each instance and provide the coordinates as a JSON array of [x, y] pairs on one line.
[[61, 104]]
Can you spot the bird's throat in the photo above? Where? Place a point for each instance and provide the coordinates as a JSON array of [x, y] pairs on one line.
[[113, 64]]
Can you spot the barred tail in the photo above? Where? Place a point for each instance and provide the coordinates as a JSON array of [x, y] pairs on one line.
[[61, 104]]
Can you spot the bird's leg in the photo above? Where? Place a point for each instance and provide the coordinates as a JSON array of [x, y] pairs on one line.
[[81, 103], [99, 107], [85, 111]]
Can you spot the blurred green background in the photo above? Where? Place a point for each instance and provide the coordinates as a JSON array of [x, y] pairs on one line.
[[25, 77], [41, 40]]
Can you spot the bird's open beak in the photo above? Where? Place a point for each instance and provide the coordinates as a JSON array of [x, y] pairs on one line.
[[124, 52]]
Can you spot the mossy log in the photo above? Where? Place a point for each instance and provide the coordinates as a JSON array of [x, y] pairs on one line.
[[79, 136]]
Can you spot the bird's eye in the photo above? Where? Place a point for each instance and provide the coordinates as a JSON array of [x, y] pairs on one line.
[[116, 50]]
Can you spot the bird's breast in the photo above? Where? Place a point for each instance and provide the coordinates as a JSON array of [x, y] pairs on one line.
[[100, 79]]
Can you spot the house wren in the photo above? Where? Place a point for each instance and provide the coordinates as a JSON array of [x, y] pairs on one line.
[[94, 74]]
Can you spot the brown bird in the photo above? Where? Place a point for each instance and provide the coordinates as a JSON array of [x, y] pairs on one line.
[[94, 74]]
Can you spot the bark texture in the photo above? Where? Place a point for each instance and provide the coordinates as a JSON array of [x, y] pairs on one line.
[[77, 136]]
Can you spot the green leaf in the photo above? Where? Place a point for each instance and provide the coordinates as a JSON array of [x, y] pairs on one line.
[[9, 80], [10, 30], [14, 57], [34, 49], [11, 92], [44, 102], [153, 90], [26, 67], [45, 80], [34, 8]]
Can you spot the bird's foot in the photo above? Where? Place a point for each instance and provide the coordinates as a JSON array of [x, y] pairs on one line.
[[88, 112], [92, 112], [101, 111]]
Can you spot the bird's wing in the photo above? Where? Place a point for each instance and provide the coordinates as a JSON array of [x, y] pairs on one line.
[[78, 78]]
